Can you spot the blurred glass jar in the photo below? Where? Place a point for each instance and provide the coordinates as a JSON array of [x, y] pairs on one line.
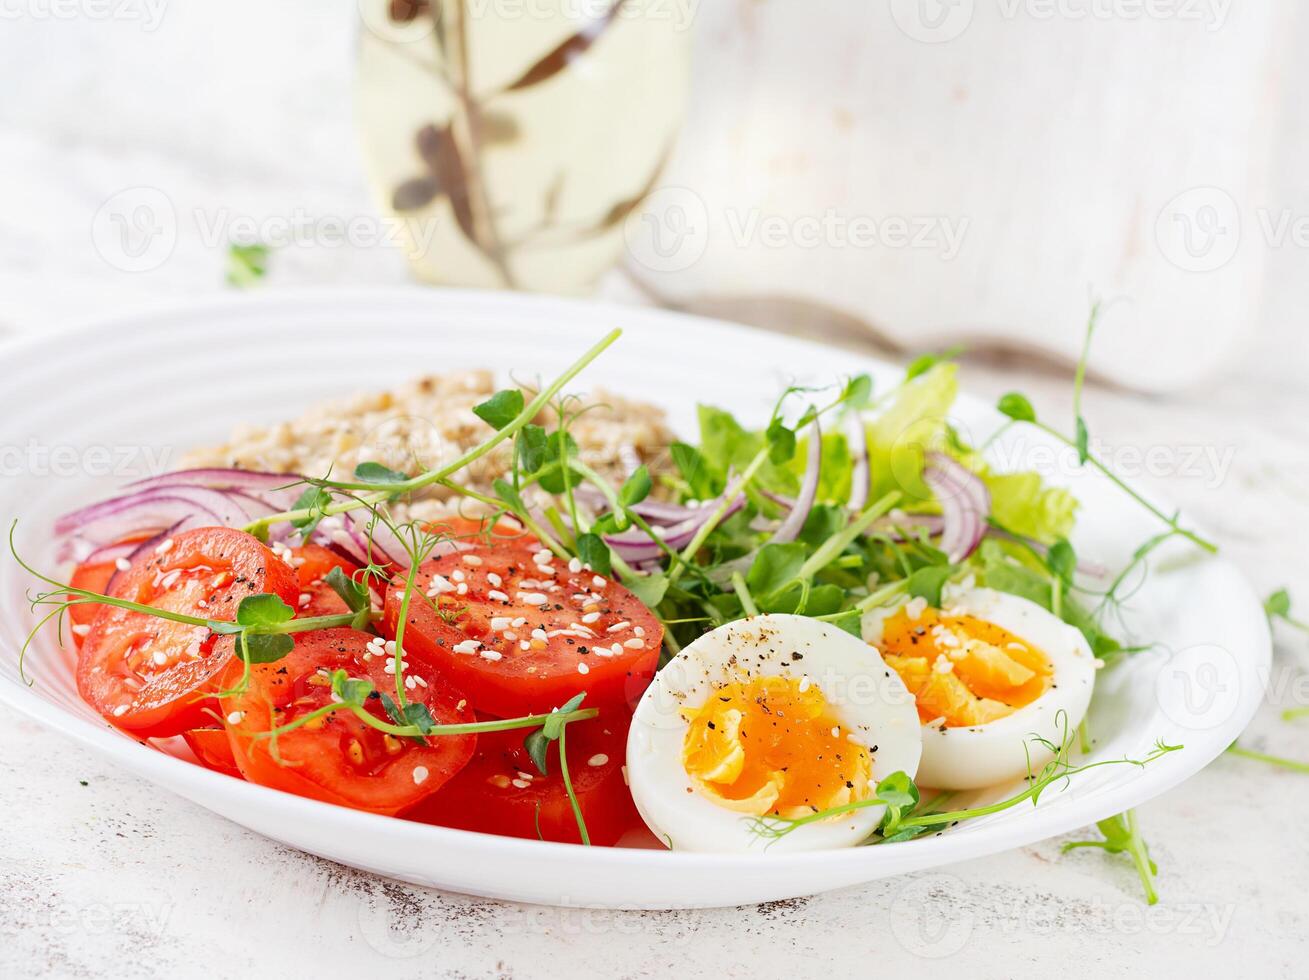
[[513, 138]]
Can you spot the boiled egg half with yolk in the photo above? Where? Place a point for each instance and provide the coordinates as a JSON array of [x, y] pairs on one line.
[[989, 671], [775, 715]]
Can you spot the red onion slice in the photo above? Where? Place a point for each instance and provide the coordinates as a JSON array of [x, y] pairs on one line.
[[636, 546], [279, 490], [113, 520], [654, 511], [965, 504]]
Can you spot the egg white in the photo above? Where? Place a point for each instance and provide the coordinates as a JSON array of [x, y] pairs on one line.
[[862, 692], [1002, 750]]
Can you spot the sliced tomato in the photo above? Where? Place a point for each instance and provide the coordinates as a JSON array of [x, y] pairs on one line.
[[94, 577], [475, 531], [502, 792], [338, 758], [212, 747], [312, 564], [520, 635], [154, 677]]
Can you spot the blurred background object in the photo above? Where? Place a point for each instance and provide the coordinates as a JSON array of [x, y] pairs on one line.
[[514, 143], [898, 172]]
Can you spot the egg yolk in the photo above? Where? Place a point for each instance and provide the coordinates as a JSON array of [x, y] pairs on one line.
[[962, 669], [772, 746]]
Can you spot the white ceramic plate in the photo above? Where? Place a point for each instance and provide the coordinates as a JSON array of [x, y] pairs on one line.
[[82, 413]]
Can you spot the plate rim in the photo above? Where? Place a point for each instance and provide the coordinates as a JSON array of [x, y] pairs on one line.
[[171, 772]]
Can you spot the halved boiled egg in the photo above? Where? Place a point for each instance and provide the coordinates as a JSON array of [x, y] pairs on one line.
[[989, 671], [773, 715]]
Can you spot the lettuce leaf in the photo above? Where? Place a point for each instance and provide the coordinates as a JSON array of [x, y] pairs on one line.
[[1020, 503], [915, 423]]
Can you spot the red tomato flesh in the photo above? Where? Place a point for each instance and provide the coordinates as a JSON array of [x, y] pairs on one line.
[[502, 792], [153, 677], [312, 564], [521, 635], [213, 749], [338, 758]]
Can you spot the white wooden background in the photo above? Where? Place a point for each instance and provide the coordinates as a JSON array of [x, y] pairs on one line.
[[242, 108]]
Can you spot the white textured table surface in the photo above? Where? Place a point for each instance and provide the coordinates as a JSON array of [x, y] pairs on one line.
[[104, 875]]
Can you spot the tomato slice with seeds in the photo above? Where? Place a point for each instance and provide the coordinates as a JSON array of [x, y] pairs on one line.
[[213, 749], [153, 677], [338, 758], [502, 792], [312, 564], [94, 577], [521, 634]]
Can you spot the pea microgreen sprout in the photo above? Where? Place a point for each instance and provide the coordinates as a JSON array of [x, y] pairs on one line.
[[1272, 760], [905, 819], [1121, 835]]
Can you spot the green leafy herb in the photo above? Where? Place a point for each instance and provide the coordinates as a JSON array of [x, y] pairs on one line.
[[354, 594], [313, 503], [501, 408], [1017, 407], [263, 611], [636, 488], [1278, 606], [370, 472], [1122, 836], [264, 648], [928, 582], [592, 550], [246, 264]]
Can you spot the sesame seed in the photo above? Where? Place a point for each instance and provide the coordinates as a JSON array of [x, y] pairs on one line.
[[574, 566], [635, 643], [122, 564], [599, 582], [599, 759], [169, 580], [235, 717], [519, 783], [439, 585], [519, 622], [472, 560], [590, 617], [165, 546], [538, 634], [583, 669], [461, 588], [494, 579], [510, 635], [409, 683], [496, 595], [617, 648], [81, 629], [618, 626], [202, 604], [120, 711], [420, 775], [467, 646], [500, 623], [389, 647], [160, 658], [542, 557], [457, 575], [419, 681], [639, 631], [524, 645], [836, 732], [805, 684], [305, 599], [533, 598], [491, 655]]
